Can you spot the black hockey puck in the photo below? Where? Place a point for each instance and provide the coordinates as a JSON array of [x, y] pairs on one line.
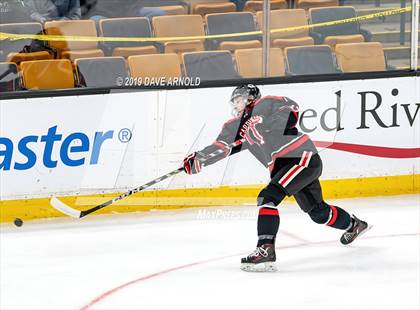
[[18, 222]]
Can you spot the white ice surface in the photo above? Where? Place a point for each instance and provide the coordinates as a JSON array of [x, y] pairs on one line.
[[178, 260]]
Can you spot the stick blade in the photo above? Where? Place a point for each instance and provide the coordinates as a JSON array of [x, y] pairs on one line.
[[63, 208]]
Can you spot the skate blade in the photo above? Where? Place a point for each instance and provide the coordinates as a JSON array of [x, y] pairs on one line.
[[262, 267], [369, 227]]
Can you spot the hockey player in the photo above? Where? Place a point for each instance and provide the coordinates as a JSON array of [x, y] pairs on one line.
[[268, 127]]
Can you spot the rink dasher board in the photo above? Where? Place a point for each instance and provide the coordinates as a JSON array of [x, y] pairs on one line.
[[97, 144]]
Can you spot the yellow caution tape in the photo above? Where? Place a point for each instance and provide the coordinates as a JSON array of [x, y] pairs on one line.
[[346, 20], [12, 36]]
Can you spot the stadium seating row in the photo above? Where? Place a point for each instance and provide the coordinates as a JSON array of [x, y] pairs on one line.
[[210, 65], [182, 26], [204, 7]]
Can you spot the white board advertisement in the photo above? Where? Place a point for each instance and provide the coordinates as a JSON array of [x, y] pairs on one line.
[[108, 143]]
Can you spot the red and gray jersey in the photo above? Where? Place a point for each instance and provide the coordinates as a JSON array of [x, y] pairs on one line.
[[273, 122]]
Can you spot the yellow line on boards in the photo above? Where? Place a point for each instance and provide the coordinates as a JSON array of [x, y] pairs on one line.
[[28, 209]]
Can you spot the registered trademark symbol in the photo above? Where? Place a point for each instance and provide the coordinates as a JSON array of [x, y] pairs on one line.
[[125, 135]]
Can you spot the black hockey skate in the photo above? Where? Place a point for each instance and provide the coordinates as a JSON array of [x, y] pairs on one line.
[[359, 228], [262, 259]]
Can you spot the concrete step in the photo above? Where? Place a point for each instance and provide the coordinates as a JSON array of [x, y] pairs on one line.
[[392, 36], [398, 52], [374, 3], [400, 64], [388, 27]]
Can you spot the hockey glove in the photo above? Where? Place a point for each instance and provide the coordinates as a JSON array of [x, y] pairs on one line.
[[192, 163], [250, 132]]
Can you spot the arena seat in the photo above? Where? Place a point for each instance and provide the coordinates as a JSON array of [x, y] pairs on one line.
[[170, 7], [180, 26], [250, 62], [174, 9], [9, 77], [47, 74], [74, 49], [213, 65], [19, 57], [155, 66], [307, 4], [304, 60], [16, 50], [127, 27], [361, 57], [280, 19], [100, 71], [257, 5], [209, 6], [227, 23], [340, 33]]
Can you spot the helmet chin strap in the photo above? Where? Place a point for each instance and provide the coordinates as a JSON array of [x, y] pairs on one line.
[[236, 113]]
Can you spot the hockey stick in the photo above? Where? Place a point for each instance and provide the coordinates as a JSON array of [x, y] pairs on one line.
[[64, 208]]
